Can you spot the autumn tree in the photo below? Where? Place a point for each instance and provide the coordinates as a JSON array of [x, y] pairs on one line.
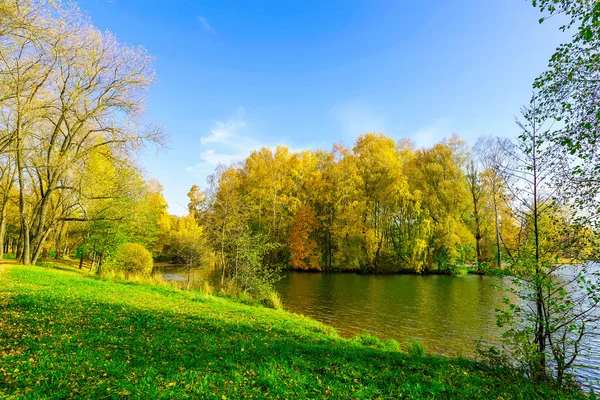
[[304, 251], [197, 204], [437, 178], [490, 153], [226, 215], [7, 177], [187, 244], [69, 90], [270, 190], [367, 208]]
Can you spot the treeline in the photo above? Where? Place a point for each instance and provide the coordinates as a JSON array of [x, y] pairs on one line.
[[378, 207], [71, 120]]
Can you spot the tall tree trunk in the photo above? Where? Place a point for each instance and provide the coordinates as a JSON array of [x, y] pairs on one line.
[[58, 242], [25, 251], [41, 232], [19, 245], [38, 249], [2, 230], [496, 225], [6, 197], [540, 335], [473, 187], [223, 254]]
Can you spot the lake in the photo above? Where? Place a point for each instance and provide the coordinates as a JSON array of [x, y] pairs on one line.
[[446, 313]]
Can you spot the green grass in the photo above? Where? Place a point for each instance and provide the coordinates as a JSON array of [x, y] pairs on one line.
[[64, 335]]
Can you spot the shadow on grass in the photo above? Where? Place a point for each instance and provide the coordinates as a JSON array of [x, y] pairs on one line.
[[61, 343]]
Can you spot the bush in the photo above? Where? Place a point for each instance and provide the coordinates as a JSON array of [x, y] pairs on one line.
[[491, 356], [207, 288], [415, 348], [133, 258], [272, 300], [365, 339]]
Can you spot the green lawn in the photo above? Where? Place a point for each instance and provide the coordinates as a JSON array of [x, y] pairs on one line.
[[64, 335]]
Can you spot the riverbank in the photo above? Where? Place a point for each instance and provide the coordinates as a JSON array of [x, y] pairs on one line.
[[64, 335], [462, 270], [459, 270]]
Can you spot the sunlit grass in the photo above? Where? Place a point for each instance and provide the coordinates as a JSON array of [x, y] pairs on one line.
[[65, 335]]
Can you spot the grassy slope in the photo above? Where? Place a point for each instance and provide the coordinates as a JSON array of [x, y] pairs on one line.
[[63, 335]]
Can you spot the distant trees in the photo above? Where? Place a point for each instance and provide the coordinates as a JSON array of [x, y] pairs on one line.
[[489, 155], [436, 175], [185, 243], [378, 207], [304, 250], [128, 210]]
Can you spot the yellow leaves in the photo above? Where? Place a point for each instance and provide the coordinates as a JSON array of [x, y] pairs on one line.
[[376, 200], [372, 244]]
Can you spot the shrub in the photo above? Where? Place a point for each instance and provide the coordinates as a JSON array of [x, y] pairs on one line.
[[368, 340], [415, 348], [272, 300], [133, 258], [207, 288], [492, 357]]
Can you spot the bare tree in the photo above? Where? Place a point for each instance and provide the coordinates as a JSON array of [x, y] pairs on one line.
[[490, 154], [556, 311], [475, 186]]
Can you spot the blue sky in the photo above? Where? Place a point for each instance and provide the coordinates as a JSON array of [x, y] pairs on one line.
[[238, 75]]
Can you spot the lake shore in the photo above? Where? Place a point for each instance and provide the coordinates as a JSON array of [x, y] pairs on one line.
[[65, 335], [458, 271]]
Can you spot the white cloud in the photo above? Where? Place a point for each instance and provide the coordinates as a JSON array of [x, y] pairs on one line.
[[223, 132], [206, 25], [356, 118], [432, 133], [228, 142]]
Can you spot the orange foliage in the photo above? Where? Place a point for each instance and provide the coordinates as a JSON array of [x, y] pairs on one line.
[[304, 251]]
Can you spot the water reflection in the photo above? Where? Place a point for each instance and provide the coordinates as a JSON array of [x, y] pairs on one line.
[[447, 314]]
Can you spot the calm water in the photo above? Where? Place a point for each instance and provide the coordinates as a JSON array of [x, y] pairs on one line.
[[447, 314]]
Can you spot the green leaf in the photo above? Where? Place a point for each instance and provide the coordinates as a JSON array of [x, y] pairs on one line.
[[587, 34]]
